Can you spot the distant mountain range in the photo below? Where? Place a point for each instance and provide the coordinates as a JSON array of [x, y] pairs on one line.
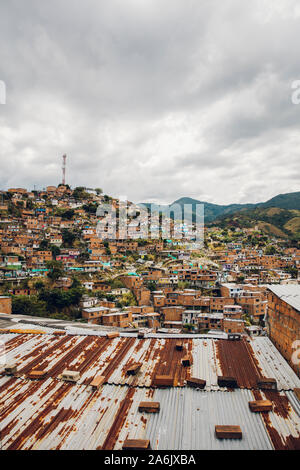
[[285, 221], [213, 211]]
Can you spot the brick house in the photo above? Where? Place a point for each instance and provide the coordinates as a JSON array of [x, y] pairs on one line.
[[283, 321]]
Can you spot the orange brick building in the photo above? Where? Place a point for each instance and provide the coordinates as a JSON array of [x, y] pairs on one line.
[[5, 304], [283, 321]]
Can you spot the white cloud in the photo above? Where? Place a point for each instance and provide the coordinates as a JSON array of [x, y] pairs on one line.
[[155, 100]]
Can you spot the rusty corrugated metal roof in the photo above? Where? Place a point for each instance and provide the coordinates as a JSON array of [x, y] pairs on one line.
[[91, 355], [52, 414]]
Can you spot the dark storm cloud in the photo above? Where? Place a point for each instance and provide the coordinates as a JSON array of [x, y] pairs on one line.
[[152, 100]]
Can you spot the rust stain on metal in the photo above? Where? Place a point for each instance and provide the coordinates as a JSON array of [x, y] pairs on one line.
[[144, 420], [37, 423], [237, 360], [170, 362], [131, 360], [119, 421], [91, 355], [17, 341], [63, 415], [150, 349], [41, 355], [64, 362], [7, 384], [281, 404], [102, 412], [279, 442], [122, 349], [139, 345], [19, 398], [281, 407], [6, 429], [150, 393], [66, 431], [161, 357], [48, 389]]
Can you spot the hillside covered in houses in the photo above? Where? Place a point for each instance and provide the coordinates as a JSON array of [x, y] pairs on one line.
[[53, 264]]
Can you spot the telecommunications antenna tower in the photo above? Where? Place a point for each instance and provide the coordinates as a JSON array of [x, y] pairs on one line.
[[64, 169]]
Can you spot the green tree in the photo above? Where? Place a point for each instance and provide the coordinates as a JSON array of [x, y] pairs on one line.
[[57, 299], [293, 271], [44, 245], [68, 214], [55, 251], [25, 305], [75, 283], [55, 269], [68, 237], [151, 285], [270, 250], [38, 285], [90, 208], [79, 193], [117, 284]]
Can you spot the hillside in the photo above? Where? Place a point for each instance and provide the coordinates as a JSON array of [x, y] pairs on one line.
[[273, 221], [211, 211], [289, 201], [284, 201]]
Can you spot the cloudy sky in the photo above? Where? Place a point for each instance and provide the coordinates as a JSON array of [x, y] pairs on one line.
[[152, 99]]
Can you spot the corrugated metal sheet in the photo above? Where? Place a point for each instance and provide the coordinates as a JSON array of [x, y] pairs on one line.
[[91, 355], [289, 293], [188, 417], [51, 414], [283, 423], [206, 365], [273, 364], [294, 402], [56, 415]]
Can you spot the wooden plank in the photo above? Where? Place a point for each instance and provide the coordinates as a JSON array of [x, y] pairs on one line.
[[228, 432], [260, 405], [267, 384], [230, 382], [59, 333], [163, 381], [98, 381], [37, 374], [197, 383], [149, 406], [136, 444], [112, 335]]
